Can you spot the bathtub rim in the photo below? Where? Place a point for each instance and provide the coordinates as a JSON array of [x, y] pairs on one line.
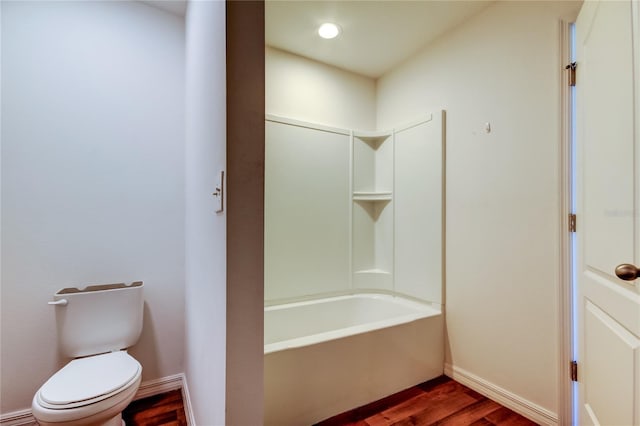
[[425, 310]]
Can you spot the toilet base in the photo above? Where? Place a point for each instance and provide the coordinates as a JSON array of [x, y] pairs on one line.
[[114, 421]]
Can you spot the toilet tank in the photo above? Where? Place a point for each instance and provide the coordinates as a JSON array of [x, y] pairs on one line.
[[98, 318]]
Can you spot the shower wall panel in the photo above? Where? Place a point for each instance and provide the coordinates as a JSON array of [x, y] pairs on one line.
[[419, 206], [307, 210]]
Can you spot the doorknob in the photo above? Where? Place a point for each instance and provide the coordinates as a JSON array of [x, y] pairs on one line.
[[627, 272]]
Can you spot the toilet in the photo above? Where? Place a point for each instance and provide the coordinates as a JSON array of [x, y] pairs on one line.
[[95, 326]]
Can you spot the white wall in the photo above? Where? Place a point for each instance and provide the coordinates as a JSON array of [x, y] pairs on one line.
[[502, 221], [307, 90], [205, 230], [92, 176]]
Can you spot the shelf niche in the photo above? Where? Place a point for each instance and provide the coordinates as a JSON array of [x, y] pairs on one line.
[[372, 162], [373, 210], [373, 244]]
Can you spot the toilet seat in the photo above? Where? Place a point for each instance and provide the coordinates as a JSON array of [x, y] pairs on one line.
[[86, 381]]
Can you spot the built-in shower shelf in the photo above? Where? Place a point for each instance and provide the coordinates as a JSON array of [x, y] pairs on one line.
[[374, 278], [374, 139], [372, 196], [372, 271]]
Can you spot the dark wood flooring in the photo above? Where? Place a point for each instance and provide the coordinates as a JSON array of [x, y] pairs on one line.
[[440, 401], [166, 409]]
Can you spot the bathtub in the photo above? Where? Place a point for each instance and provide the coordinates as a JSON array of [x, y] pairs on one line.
[[326, 356]]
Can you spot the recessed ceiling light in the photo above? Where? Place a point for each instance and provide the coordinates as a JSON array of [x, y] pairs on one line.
[[328, 30]]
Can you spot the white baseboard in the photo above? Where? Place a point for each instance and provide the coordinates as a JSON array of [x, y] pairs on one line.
[[158, 386], [502, 396], [18, 418], [147, 389], [191, 421]]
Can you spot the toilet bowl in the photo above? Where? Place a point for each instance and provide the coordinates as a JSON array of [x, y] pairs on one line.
[[94, 326], [89, 391]]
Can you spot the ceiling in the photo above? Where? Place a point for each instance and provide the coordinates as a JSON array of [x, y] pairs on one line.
[[376, 35]]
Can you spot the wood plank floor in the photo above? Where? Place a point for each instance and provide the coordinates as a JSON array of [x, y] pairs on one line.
[[166, 409], [441, 401]]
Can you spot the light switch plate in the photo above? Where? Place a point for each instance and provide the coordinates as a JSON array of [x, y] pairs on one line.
[[219, 193]]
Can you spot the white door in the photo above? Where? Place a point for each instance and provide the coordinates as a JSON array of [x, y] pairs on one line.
[[608, 179]]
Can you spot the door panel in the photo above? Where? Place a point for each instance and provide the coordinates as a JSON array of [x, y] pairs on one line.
[[606, 339], [608, 233]]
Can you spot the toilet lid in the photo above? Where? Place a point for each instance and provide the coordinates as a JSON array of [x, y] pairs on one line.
[[88, 378]]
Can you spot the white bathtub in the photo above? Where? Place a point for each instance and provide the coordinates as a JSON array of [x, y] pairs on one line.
[[326, 356]]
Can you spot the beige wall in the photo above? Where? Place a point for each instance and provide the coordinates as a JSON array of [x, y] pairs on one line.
[[92, 176], [245, 212], [307, 90], [503, 207]]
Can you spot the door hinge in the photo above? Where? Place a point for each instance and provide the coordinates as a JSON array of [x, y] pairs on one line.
[[572, 73], [574, 371], [572, 222]]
